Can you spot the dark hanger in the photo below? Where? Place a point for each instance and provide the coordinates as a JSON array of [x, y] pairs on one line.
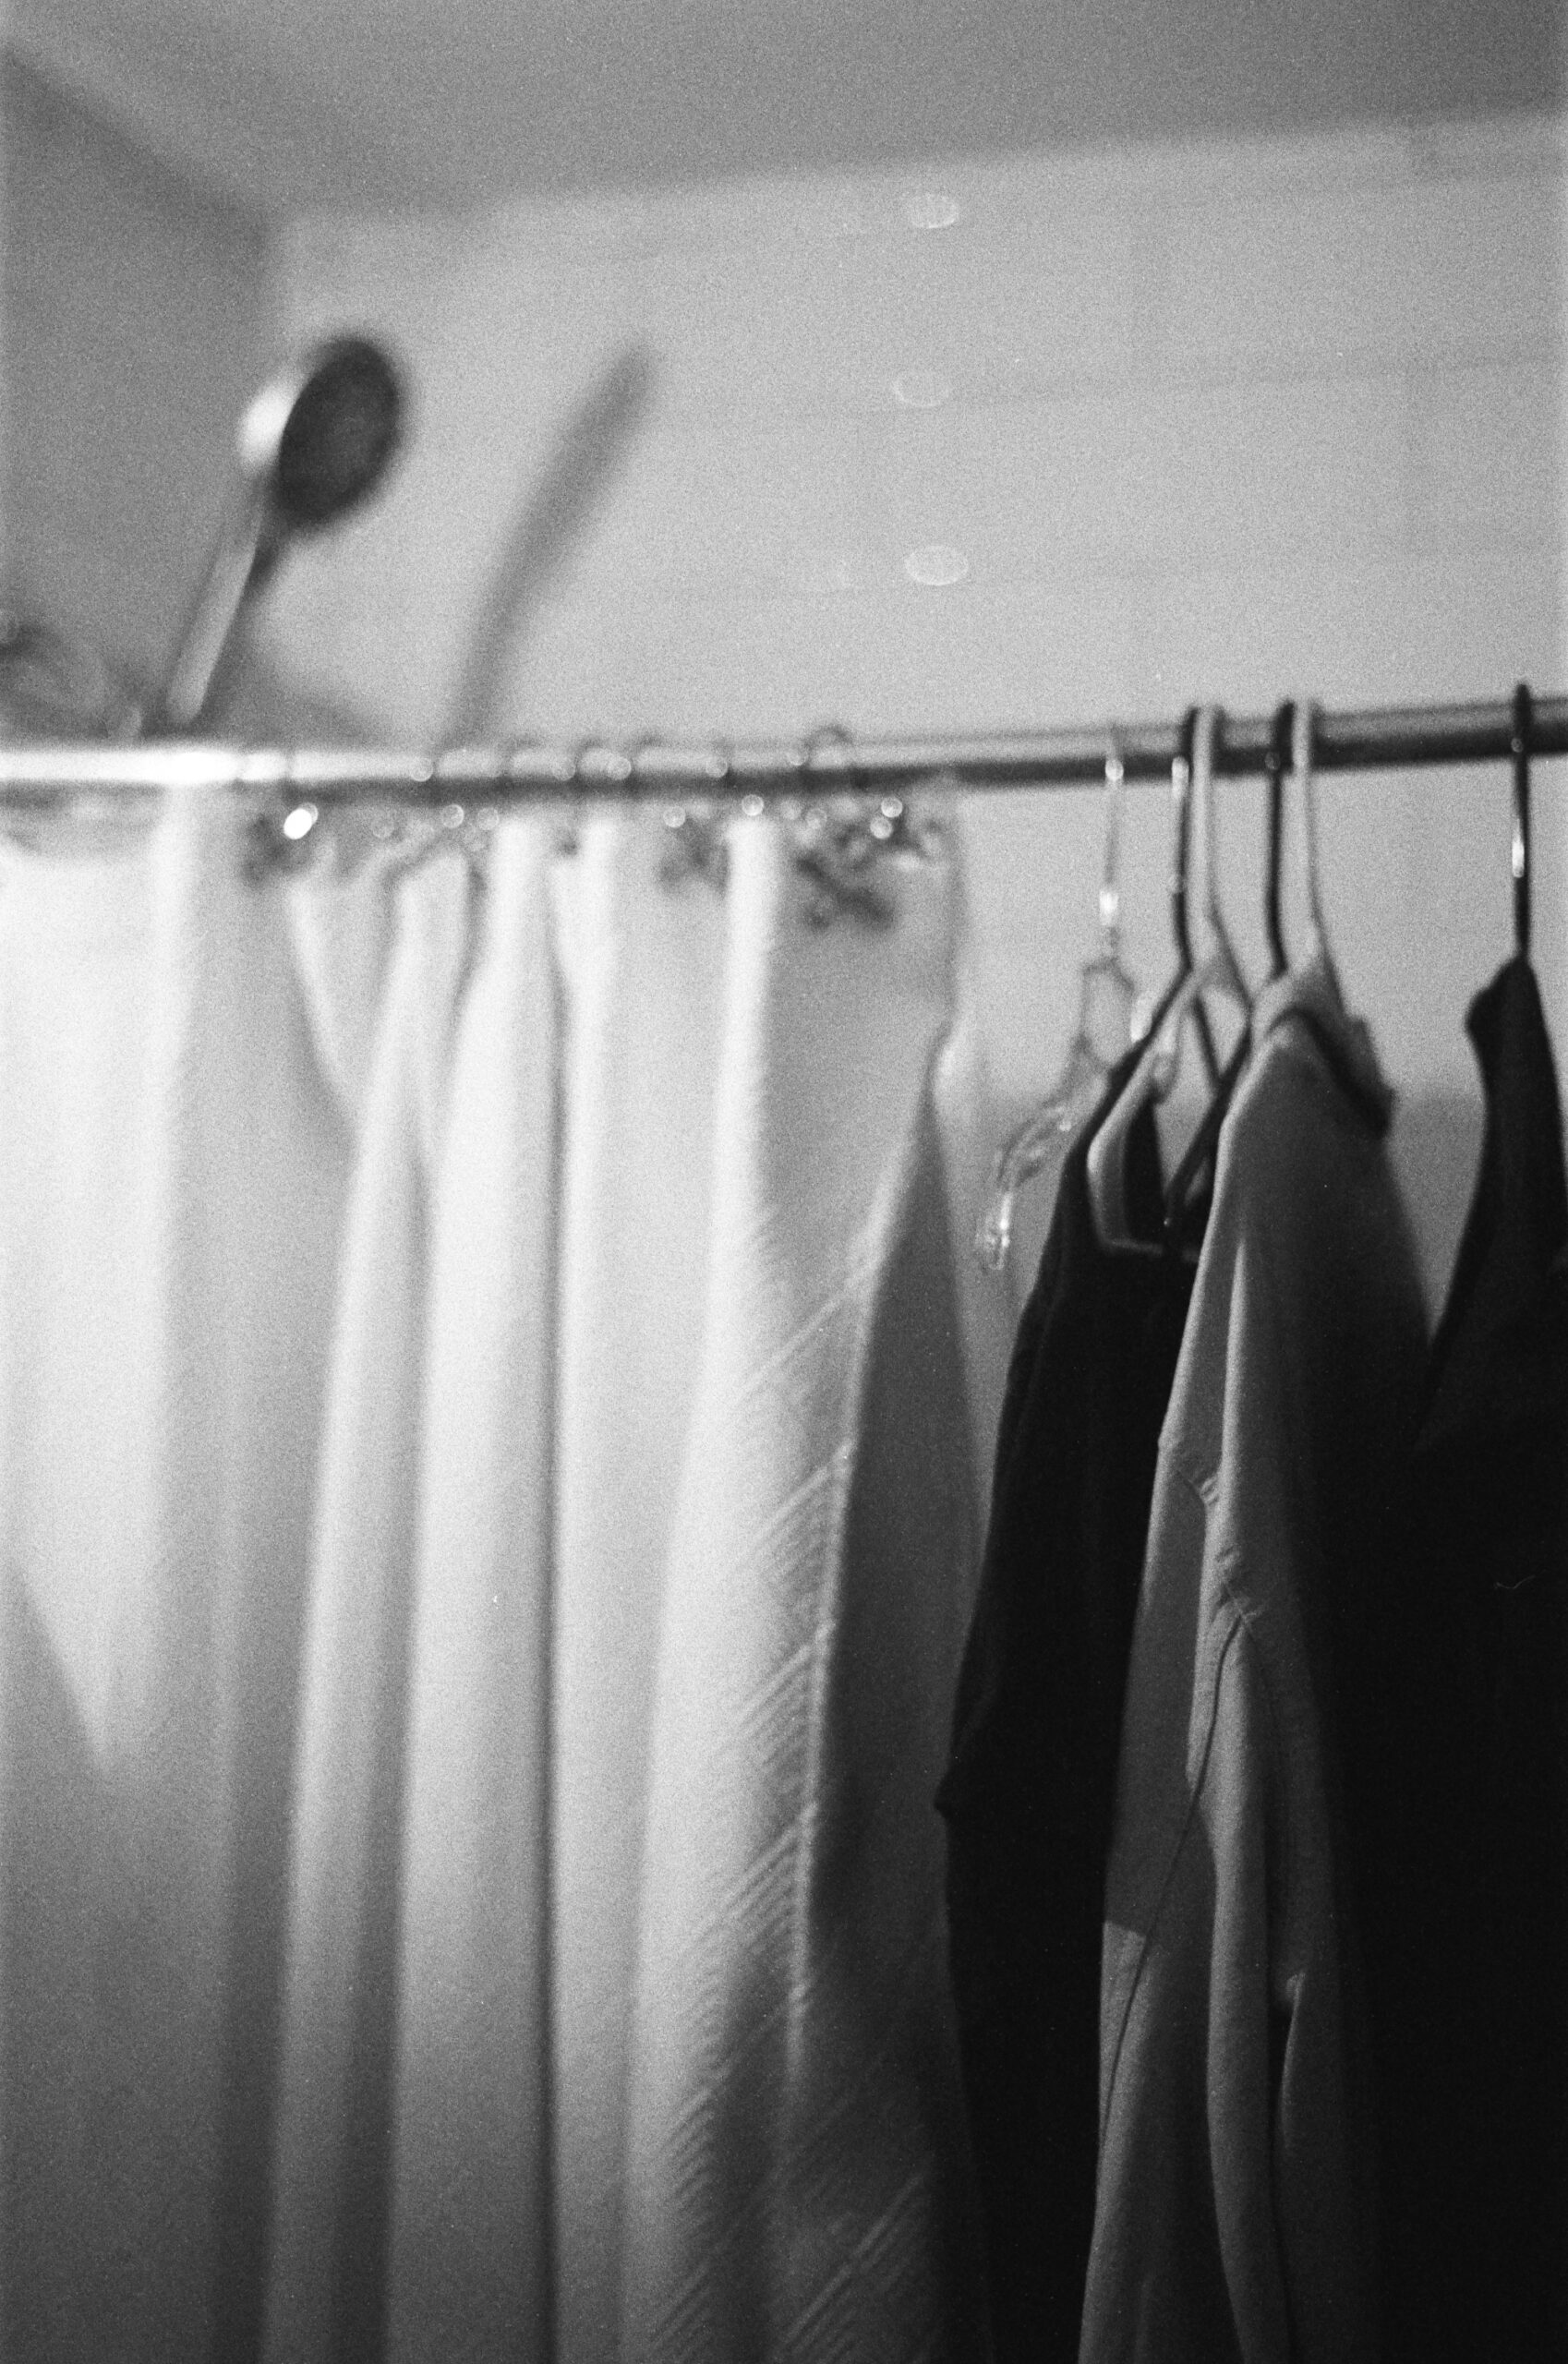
[[1276, 762], [1183, 997], [1181, 867], [1182, 1185], [1196, 1158], [1107, 1155], [1524, 723], [1302, 738], [1181, 861]]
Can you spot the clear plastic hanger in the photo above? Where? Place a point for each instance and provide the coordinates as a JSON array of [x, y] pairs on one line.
[[1106, 1011], [1198, 1158], [1219, 974]]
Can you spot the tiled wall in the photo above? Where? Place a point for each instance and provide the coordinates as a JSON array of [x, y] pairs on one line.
[[1023, 441]]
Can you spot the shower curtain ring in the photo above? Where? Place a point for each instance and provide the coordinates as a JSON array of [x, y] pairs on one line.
[[286, 835], [694, 844], [835, 844]]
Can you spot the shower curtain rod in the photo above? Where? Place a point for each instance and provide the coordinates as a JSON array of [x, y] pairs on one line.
[[593, 771]]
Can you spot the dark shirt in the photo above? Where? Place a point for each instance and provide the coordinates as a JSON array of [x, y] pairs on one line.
[[1459, 1786], [1030, 1783]]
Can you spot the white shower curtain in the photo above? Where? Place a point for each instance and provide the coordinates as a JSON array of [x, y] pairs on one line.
[[495, 1413]]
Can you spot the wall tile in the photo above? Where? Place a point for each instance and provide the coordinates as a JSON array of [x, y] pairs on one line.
[[774, 508], [1340, 276], [1311, 467], [1485, 460]]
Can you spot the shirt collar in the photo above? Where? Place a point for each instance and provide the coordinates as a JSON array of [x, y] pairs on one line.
[[1311, 992]]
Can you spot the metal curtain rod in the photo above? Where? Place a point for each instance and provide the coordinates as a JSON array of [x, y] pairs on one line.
[[1383, 739]]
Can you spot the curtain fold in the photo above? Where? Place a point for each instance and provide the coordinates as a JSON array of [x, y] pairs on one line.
[[644, 982], [470, 2263], [795, 2184], [170, 1178], [328, 2284]]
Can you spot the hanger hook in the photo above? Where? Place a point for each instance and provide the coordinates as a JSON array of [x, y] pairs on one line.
[[1303, 747], [1110, 879], [579, 753], [1519, 744], [1303, 744], [1275, 764], [1181, 835], [1208, 742]]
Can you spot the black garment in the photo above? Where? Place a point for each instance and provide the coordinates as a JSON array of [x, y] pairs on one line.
[[1463, 1775], [1030, 1783]]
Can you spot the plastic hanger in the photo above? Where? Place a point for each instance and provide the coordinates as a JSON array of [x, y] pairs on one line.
[[1199, 1154], [1303, 734], [1107, 1002], [1182, 1003], [1222, 954], [1275, 762], [1523, 720]]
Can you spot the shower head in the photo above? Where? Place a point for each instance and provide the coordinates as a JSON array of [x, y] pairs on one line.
[[317, 441], [313, 444]]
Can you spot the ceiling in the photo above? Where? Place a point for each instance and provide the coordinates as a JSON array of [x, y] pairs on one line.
[[291, 104]]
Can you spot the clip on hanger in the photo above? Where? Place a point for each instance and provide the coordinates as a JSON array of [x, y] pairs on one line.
[[1107, 1004], [1519, 743]]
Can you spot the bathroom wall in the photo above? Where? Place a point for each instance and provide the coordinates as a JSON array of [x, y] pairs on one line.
[[132, 327], [1024, 442]]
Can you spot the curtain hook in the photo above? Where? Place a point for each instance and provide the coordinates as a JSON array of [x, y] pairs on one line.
[[1519, 746], [569, 827], [694, 841], [836, 850], [286, 834], [564, 839]]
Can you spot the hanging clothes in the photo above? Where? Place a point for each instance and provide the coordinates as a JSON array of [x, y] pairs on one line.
[[1463, 1790], [1030, 1784], [1236, 2208], [173, 1171], [797, 2178]]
